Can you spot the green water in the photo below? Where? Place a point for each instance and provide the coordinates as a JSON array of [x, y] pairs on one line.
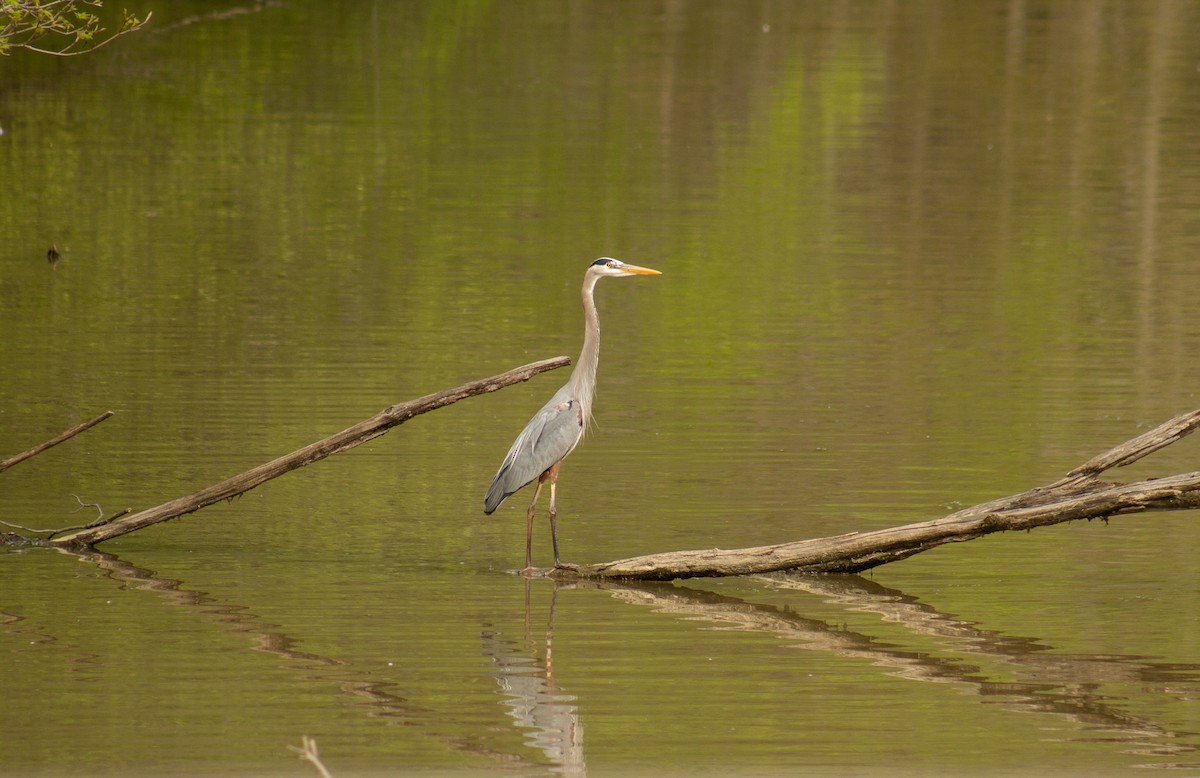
[[915, 256]]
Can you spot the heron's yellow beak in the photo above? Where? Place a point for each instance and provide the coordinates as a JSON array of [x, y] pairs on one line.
[[641, 271]]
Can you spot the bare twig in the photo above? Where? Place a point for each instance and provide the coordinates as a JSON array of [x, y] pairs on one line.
[[78, 428], [309, 753], [82, 505], [1143, 445], [32, 530], [100, 519]]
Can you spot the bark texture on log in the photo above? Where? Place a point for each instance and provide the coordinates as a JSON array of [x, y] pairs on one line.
[[1078, 495], [346, 439]]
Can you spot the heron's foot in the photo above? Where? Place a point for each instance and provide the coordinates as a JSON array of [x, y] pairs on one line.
[[566, 566], [529, 572]]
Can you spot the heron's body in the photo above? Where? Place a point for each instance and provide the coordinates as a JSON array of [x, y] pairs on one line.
[[556, 429], [551, 434]]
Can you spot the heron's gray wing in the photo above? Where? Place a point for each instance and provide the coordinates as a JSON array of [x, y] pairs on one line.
[[548, 437]]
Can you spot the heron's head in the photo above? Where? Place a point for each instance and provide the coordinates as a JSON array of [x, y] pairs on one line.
[[607, 266]]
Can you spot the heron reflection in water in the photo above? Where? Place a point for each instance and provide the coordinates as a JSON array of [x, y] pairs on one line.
[[557, 428]]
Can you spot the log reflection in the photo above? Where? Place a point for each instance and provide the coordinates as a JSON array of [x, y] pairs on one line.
[[1069, 685], [383, 699], [1021, 674]]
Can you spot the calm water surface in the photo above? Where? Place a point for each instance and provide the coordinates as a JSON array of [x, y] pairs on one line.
[[915, 256]]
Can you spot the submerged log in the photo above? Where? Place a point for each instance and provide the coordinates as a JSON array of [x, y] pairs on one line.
[[1078, 495], [346, 439]]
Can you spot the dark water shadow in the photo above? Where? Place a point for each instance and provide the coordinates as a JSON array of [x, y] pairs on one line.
[[1067, 685], [542, 709]]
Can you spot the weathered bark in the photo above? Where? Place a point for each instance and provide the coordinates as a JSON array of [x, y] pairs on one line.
[[346, 439], [78, 428], [1078, 495]]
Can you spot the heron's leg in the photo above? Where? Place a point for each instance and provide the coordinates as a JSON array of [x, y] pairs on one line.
[[529, 568], [558, 563]]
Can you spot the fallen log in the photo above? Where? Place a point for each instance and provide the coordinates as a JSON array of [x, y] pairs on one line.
[[54, 441], [1078, 495], [346, 439]]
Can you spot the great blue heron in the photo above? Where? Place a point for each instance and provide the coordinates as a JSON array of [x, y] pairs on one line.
[[557, 428]]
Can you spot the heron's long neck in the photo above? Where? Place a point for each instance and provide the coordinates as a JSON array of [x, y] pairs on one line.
[[583, 377]]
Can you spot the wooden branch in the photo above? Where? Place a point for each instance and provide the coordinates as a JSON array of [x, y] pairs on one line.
[[1147, 443], [1079, 495], [348, 438], [78, 428]]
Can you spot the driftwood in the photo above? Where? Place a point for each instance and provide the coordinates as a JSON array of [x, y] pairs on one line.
[[1078, 495], [346, 439], [78, 428]]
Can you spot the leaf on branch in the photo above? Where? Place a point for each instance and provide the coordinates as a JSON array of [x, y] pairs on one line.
[[28, 21]]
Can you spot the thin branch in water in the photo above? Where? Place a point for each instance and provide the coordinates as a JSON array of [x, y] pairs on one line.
[[309, 753], [32, 530], [78, 428], [99, 520], [83, 505]]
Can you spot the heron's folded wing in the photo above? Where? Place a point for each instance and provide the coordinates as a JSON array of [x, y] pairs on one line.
[[548, 437]]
